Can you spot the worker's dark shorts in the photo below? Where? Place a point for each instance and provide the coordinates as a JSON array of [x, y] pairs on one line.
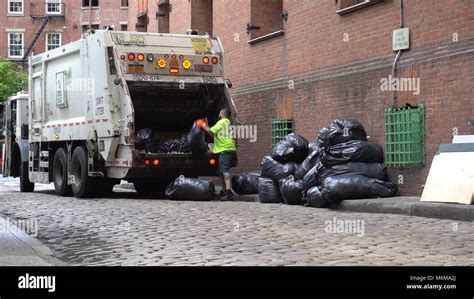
[[227, 159]]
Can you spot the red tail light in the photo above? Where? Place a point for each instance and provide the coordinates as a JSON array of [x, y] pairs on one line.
[[156, 162], [212, 161], [131, 56], [122, 57], [166, 56], [147, 162], [214, 60]]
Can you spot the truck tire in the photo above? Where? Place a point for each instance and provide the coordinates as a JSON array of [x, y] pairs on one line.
[[83, 185], [25, 184], [60, 173]]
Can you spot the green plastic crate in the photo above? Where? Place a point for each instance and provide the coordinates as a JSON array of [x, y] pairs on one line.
[[280, 128], [405, 136]]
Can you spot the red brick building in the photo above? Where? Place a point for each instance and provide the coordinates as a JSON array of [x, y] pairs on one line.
[[24, 29], [314, 61]]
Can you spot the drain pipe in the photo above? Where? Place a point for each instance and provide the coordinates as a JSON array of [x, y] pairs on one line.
[[395, 62]]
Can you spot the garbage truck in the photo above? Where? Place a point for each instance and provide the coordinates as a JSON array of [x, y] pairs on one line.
[[88, 99]]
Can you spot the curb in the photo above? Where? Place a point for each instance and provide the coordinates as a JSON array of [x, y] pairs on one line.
[[41, 250], [402, 205]]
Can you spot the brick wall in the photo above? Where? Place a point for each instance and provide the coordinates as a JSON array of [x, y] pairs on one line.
[[336, 64], [180, 16], [109, 13]]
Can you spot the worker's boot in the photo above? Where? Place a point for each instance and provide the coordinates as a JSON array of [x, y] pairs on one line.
[[228, 195]]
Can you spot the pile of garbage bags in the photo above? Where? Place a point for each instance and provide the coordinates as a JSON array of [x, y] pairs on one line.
[[191, 142], [342, 164]]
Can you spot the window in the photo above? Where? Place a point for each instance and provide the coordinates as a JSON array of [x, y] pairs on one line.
[[201, 16], [93, 27], [15, 45], [163, 16], [123, 27], [53, 6], [266, 19], [346, 6], [405, 136], [15, 6], [124, 3], [85, 3], [53, 41]]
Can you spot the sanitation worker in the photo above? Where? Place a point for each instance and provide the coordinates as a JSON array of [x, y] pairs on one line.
[[224, 145]]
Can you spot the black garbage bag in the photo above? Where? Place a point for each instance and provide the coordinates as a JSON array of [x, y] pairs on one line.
[[174, 145], [196, 140], [246, 183], [312, 147], [184, 188], [283, 151], [268, 191], [310, 179], [308, 163], [300, 147], [322, 137], [315, 198], [291, 191], [276, 170], [343, 130], [353, 151], [339, 188], [293, 148], [143, 136], [152, 145], [371, 170]]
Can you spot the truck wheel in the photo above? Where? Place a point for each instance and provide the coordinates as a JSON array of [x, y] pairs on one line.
[[83, 185], [60, 173], [25, 184]]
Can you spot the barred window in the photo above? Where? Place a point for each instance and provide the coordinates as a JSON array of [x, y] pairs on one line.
[[53, 41]]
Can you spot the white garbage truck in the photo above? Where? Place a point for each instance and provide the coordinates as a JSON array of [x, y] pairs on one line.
[[88, 99]]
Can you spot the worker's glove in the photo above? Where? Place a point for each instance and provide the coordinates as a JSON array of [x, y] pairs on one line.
[[201, 123]]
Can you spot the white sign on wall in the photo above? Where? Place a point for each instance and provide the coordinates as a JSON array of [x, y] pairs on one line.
[[401, 39]]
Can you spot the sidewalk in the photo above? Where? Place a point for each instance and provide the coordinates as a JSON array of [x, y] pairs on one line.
[[17, 248], [405, 205], [400, 205]]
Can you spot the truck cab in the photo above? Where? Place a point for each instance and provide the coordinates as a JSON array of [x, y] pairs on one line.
[[15, 144]]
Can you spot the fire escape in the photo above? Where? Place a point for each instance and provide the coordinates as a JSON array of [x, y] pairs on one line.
[[44, 11]]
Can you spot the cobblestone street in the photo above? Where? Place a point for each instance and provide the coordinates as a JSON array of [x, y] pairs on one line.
[[125, 230]]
